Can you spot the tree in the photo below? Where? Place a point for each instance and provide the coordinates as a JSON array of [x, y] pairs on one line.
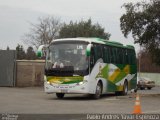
[[7, 48], [30, 55], [143, 21], [83, 29], [145, 62], [43, 32], [20, 52]]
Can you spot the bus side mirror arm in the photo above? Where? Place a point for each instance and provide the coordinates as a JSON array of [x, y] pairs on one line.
[[88, 50], [42, 49]]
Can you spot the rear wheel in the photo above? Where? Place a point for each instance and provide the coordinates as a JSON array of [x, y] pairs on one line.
[[117, 93], [98, 91], [60, 95]]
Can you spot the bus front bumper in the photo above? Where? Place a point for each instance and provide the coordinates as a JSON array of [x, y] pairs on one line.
[[67, 88]]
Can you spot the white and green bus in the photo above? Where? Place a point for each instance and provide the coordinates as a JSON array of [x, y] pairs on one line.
[[89, 66]]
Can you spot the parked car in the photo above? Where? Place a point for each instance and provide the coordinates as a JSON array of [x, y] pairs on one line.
[[144, 82]]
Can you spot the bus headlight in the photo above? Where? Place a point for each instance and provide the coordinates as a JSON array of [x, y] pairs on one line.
[[80, 83], [48, 82]]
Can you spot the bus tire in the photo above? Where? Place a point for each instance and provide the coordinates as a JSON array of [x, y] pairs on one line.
[[98, 92], [125, 88], [118, 93], [142, 88], [60, 95], [149, 88]]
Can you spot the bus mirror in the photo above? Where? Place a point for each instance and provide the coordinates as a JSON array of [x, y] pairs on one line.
[[42, 51], [88, 50]]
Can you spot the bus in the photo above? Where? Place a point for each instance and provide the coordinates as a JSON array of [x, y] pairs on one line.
[[88, 66]]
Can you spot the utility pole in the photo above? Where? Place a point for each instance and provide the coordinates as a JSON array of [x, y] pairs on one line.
[[140, 61]]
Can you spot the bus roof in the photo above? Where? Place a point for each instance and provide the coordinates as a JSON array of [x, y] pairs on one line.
[[96, 40]]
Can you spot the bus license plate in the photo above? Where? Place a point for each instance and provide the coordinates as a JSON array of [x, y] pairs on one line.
[[64, 90]]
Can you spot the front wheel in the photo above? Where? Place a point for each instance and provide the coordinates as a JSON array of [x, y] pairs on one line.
[[142, 88], [98, 91], [60, 95]]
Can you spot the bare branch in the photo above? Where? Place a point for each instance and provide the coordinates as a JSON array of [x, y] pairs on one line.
[[46, 30]]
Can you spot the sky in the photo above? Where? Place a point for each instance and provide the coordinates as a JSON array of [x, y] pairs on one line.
[[15, 16]]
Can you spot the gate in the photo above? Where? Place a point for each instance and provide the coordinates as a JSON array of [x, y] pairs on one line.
[[7, 67]]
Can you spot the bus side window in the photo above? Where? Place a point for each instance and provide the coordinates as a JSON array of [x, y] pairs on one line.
[[109, 54], [125, 56], [92, 58], [106, 54], [116, 55], [129, 57], [100, 49], [103, 54], [112, 55], [133, 57], [98, 52], [120, 55]]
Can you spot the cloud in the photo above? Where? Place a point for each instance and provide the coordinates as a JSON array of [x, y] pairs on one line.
[[15, 15], [13, 24]]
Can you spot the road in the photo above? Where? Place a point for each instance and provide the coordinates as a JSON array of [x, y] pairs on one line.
[[31, 100]]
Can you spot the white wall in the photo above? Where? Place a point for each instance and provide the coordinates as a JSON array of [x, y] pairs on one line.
[[152, 76]]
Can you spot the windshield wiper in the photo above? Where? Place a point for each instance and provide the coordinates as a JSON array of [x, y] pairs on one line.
[[66, 71]]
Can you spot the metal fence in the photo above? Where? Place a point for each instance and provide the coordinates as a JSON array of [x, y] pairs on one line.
[[7, 67]]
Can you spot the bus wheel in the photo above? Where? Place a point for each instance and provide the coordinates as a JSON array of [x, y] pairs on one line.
[[125, 88], [142, 88], [98, 91], [149, 88], [60, 95], [117, 93]]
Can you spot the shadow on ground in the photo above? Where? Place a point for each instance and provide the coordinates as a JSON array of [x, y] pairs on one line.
[[81, 97]]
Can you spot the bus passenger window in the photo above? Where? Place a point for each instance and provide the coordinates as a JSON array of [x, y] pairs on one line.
[[92, 58]]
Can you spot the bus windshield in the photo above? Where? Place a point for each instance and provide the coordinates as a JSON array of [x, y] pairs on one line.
[[67, 57]]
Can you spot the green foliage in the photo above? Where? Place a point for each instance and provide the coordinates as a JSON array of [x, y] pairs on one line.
[[145, 62], [83, 29], [7, 48], [46, 29], [20, 52], [143, 21], [30, 55]]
